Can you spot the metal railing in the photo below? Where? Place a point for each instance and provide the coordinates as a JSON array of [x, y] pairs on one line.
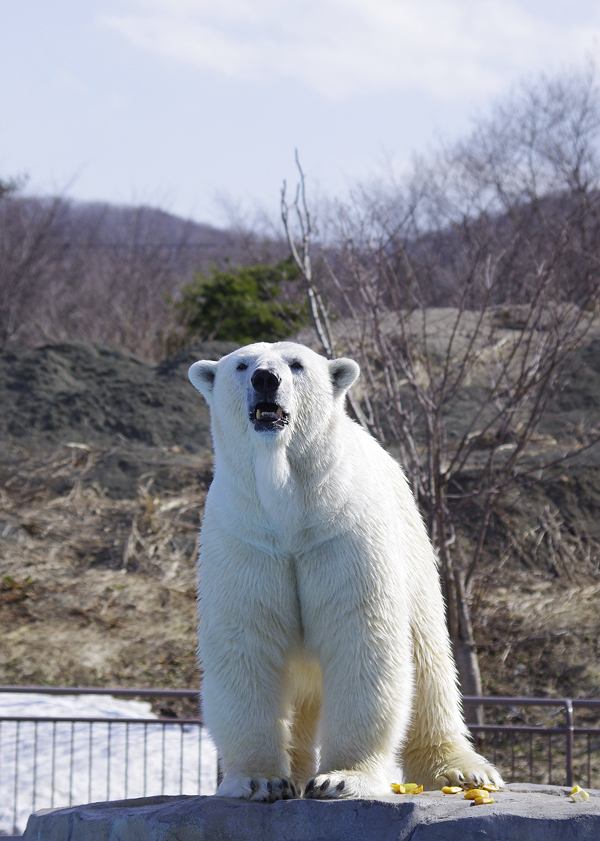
[[55, 760], [66, 757], [533, 751]]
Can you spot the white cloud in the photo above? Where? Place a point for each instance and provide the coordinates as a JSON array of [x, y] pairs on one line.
[[342, 47]]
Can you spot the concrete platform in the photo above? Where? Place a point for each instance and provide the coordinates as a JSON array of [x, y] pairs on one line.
[[520, 813]]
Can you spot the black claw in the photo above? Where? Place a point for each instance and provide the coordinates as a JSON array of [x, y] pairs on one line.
[[269, 786], [341, 785], [253, 785], [309, 786], [324, 785], [294, 790], [285, 783]]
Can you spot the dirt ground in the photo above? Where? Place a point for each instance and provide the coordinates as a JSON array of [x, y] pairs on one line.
[[105, 462]]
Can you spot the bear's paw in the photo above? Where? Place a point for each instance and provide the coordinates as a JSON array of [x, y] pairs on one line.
[[258, 788], [343, 784], [469, 770]]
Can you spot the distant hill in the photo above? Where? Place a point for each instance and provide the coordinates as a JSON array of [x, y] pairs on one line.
[[91, 271], [107, 224]]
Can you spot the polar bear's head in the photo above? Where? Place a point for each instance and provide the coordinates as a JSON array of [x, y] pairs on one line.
[[272, 390]]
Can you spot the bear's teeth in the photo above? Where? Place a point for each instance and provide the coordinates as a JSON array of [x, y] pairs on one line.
[[278, 412], [258, 414]]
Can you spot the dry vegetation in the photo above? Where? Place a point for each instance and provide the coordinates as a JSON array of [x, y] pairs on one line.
[[98, 532], [98, 544], [97, 590]]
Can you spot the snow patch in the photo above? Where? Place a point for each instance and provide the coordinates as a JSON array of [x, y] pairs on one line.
[[52, 765]]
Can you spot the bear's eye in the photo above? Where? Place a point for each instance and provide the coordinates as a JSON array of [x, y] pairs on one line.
[[242, 366], [296, 366]]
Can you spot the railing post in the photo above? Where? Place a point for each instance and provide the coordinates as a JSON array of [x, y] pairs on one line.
[[569, 734]]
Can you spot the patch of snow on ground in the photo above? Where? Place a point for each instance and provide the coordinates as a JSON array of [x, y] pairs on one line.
[[45, 765]]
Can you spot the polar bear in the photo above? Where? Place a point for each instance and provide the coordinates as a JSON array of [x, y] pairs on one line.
[[321, 615]]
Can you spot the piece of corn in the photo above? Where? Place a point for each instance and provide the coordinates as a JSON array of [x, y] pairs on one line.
[[490, 787], [451, 789], [479, 801], [407, 788], [579, 795], [475, 792]]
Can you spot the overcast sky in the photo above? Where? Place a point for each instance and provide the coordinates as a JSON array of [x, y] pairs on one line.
[[179, 102]]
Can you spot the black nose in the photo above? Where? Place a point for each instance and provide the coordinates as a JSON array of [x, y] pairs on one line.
[[264, 380]]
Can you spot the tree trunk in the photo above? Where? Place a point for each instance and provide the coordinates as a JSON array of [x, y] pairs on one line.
[[465, 651]]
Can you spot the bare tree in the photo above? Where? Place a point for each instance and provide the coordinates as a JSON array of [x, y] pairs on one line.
[[30, 251], [302, 258], [463, 292], [59, 280], [95, 272]]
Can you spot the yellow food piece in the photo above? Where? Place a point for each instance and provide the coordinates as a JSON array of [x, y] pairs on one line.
[[407, 788], [451, 789], [579, 795], [490, 787], [479, 801], [413, 788], [475, 792]]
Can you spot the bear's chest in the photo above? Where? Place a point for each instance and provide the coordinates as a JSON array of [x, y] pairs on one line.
[[279, 495]]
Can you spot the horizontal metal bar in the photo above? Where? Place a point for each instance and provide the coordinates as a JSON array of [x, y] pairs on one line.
[[130, 692], [98, 690], [490, 700], [515, 728], [97, 720], [498, 728]]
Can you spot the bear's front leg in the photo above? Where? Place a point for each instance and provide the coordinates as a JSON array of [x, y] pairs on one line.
[[354, 624], [243, 710], [361, 723], [247, 626]]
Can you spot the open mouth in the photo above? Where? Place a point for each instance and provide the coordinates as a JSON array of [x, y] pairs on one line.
[[268, 416]]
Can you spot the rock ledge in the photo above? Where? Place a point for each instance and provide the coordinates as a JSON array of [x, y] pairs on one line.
[[535, 813]]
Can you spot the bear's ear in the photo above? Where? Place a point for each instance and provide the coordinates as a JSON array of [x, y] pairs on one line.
[[344, 373], [202, 376]]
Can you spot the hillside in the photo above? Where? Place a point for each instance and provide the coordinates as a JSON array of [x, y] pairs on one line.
[[105, 461]]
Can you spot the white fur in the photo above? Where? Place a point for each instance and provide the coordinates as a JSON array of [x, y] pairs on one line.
[[320, 603]]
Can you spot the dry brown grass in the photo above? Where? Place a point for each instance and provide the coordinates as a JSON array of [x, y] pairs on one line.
[[97, 586], [94, 590], [101, 591]]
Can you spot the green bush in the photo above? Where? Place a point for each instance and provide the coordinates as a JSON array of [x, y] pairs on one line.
[[241, 304]]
